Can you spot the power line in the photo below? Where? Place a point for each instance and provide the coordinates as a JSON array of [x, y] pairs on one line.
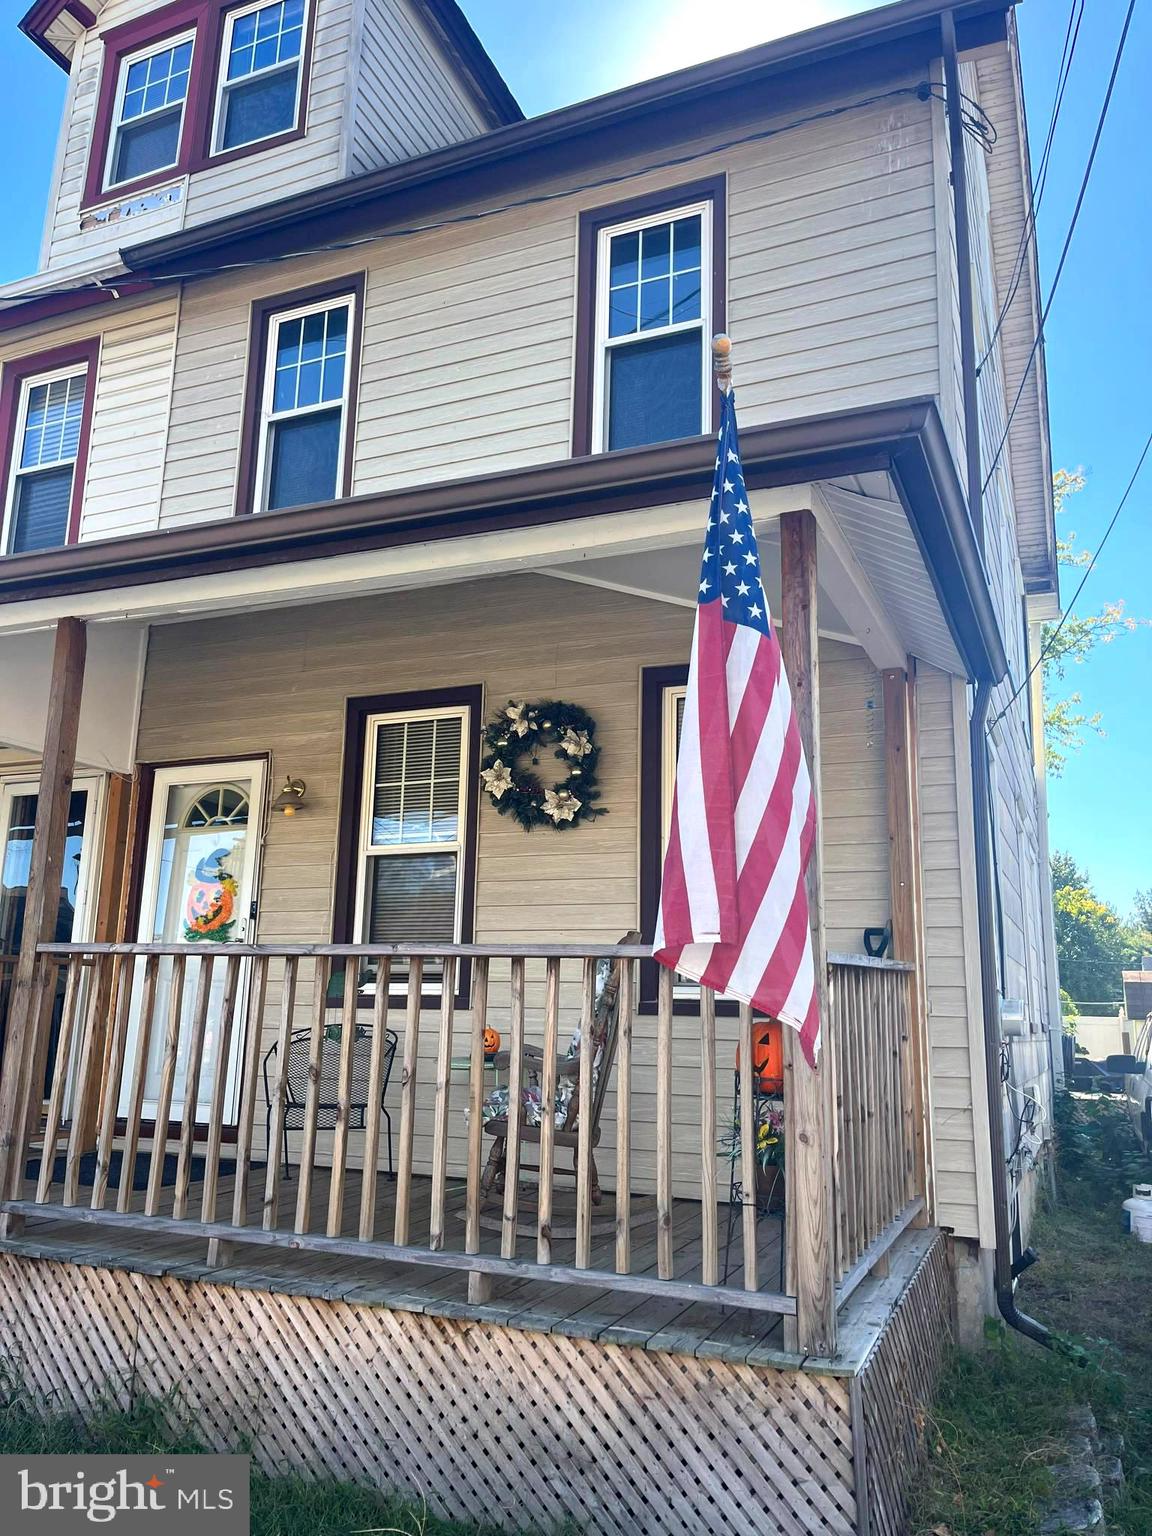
[[1028, 233], [922, 92], [1052, 638], [1039, 337]]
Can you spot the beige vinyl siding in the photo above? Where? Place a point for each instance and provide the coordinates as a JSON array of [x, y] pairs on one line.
[[959, 1115], [407, 99], [469, 332], [276, 682], [133, 384]]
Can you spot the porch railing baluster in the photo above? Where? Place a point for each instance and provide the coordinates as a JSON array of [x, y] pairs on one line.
[[61, 1068], [164, 1091], [548, 1080], [113, 1076], [476, 1104], [710, 1233], [192, 1073], [664, 1266], [249, 1088], [103, 992], [139, 1079], [585, 1168], [343, 1098], [408, 1102], [370, 1173], [312, 1095], [436, 1219], [515, 1111], [278, 1095], [221, 1067], [748, 1150], [624, 1118]]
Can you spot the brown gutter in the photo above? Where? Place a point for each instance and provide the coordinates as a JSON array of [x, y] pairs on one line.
[[905, 438], [840, 55]]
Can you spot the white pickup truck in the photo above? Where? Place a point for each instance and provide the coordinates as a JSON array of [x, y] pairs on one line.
[[1136, 1071]]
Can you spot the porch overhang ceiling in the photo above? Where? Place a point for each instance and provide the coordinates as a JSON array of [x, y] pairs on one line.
[[906, 440]]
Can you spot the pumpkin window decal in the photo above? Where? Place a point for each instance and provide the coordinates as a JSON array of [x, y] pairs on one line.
[[210, 900]]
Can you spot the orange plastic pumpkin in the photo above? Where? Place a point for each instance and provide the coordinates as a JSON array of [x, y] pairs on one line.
[[767, 1055], [491, 1039]]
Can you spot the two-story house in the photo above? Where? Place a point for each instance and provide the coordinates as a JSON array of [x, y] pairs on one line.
[[356, 441]]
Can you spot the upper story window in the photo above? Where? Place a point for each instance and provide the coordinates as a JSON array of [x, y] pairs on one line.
[[193, 83], [651, 294], [300, 411], [46, 401], [258, 94], [149, 112]]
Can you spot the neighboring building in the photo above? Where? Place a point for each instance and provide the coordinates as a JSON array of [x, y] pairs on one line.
[[347, 407]]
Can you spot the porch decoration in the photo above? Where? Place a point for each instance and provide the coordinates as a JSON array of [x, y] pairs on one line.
[[211, 901], [521, 728]]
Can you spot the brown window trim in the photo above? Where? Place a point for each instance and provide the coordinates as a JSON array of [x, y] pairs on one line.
[[653, 683], [714, 189], [14, 375], [348, 836], [262, 314], [206, 18]]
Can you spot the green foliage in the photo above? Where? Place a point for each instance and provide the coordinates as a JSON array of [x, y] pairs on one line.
[[1097, 1147], [1093, 944], [1070, 645], [1069, 1009], [1144, 909], [281, 1506]]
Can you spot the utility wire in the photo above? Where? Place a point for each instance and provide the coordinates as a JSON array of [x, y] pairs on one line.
[[129, 279], [1028, 233], [1052, 638], [1067, 245]]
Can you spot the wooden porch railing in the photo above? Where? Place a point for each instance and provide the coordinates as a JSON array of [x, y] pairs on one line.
[[874, 1177], [141, 1019]]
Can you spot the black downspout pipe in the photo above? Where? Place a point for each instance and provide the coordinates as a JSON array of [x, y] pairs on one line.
[[978, 728]]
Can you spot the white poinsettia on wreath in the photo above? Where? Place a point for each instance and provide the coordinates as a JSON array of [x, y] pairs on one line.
[[575, 743], [560, 804], [497, 779]]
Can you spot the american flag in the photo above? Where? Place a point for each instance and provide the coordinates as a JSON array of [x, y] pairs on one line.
[[733, 902]]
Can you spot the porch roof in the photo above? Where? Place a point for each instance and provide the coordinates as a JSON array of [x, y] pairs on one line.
[[905, 441]]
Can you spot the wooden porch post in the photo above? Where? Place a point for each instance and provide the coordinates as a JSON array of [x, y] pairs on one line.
[[902, 776], [808, 1093], [26, 1046]]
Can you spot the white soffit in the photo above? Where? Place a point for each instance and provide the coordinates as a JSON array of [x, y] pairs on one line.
[[882, 540]]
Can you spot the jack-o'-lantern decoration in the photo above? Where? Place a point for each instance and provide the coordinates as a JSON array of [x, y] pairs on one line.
[[491, 1039], [209, 909], [767, 1056]]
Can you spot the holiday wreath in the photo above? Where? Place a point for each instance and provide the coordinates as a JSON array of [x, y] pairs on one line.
[[532, 728]]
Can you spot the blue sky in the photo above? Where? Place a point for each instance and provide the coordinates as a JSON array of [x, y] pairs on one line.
[[1099, 345]]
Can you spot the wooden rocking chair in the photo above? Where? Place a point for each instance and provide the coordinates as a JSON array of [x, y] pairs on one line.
[[605, 1027]]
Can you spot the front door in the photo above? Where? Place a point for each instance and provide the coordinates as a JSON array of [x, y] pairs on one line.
[[18, 802], [199, 888]]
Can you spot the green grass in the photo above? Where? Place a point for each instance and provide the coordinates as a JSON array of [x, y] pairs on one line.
[[281, 1506], [1001, 1413]]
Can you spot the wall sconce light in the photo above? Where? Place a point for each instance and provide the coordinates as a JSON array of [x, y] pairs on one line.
[[288, 801]]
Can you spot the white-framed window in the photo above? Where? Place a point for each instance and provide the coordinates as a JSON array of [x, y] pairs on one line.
[[260, 72], [304, 407], [410, 865], [38, 499], [148, 112], [653, 317]]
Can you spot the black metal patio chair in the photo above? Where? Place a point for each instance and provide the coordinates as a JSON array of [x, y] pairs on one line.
[[327, 1109]]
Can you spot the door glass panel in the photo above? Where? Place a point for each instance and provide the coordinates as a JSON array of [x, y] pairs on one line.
[[17, 860], [202, 854]]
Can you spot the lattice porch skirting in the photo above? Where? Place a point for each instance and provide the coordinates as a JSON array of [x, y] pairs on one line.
[[519, 1427]]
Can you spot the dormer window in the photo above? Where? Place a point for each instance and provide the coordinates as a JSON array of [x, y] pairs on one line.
[[196, 84], [258, 95], [149, 112]]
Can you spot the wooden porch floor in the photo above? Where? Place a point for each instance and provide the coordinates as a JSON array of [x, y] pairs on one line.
[[577, 1311]]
